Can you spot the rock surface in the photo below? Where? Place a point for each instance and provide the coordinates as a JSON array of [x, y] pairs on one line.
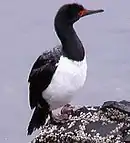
[[109, 123]]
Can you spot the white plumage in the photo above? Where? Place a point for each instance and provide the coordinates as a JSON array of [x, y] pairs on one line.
[[67, 79]]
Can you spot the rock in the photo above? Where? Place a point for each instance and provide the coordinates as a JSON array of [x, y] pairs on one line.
[[107, 124], [123, 106]]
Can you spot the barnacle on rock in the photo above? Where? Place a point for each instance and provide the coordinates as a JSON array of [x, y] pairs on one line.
[[108, 124]]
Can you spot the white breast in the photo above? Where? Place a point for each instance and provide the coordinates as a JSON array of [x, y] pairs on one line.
[[68, 78]]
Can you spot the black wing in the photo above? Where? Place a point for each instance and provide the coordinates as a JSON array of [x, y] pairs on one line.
[[41, 74]]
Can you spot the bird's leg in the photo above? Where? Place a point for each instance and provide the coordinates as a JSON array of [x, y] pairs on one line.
[[67, 109], [63, 117], [57, 119]]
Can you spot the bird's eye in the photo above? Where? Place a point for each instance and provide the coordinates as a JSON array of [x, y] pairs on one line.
[[82, 12]]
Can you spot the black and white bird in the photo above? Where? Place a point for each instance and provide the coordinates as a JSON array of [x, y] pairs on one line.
[[57, 74]]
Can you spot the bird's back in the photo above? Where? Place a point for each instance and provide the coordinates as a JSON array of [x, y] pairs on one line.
[[42, 73]]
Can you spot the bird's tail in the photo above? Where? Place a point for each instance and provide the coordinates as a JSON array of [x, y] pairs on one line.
[[38, 119]]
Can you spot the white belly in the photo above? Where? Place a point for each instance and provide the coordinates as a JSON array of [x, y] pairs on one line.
[[68, 78]]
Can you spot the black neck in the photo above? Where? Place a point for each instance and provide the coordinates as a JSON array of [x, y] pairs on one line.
[[72, 46]]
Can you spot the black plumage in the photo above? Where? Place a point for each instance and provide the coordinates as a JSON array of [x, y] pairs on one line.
[[43, 68]]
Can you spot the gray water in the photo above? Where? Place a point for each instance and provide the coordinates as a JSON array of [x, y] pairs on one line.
[[26, 30]]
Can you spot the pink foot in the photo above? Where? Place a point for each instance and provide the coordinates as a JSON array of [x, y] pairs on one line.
[[64, 116], [67, 109]]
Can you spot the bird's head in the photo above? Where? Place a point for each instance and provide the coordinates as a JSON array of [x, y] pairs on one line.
[[70, 13]]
